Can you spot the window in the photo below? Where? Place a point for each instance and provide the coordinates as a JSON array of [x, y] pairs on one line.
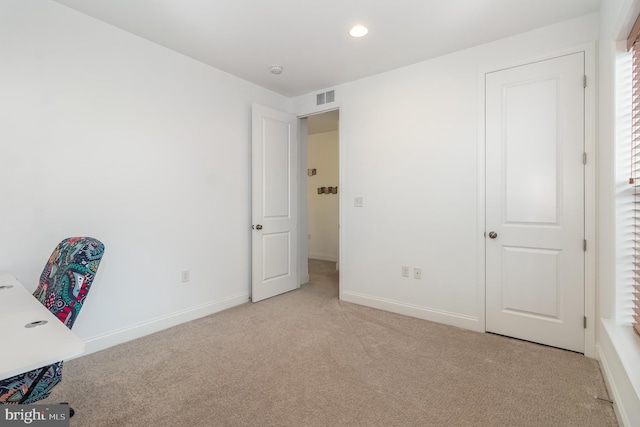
[[633, 295]]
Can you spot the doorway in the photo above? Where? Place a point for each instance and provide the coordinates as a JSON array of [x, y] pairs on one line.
[[280, 199], [323, 177]]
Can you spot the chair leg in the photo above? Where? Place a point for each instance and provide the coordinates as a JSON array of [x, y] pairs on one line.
[[71, 410]]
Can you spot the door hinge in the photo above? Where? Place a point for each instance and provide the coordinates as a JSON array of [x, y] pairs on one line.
[[584, 81], [584, 245], [585, 322], [584, 158]]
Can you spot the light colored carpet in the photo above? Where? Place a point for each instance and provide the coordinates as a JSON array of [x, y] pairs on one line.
[[307, 359]]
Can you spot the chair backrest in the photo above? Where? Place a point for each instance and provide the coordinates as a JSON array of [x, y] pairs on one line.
[[68, 275]]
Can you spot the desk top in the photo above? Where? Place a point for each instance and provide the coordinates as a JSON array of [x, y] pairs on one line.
[[25, 349]]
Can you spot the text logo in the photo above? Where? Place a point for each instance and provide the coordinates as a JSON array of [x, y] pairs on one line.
[[34, 415]]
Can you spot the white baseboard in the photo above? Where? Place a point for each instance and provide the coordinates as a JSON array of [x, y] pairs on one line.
[[139, 330], [426, 313], [323, 257], [618, 353]]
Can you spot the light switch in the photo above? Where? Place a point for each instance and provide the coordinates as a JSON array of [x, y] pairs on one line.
[[358, 202]]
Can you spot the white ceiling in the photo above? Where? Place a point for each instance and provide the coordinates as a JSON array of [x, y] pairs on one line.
[[309, 38]]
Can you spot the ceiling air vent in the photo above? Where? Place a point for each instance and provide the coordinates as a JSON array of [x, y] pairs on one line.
[[330, 96], [325, 97]]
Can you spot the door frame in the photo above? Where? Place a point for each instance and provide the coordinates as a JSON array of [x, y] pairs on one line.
[[303, 221], [589, 50]]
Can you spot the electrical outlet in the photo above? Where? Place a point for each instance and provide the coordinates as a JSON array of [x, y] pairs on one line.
[[417, 273], [405, 271], [358, 202], [185, 276]]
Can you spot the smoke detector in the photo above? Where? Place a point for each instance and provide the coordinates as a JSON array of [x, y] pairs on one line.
[[276, 69]]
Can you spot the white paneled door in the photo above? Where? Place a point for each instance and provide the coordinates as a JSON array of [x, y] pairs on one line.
[[535, 202], [274, 202]]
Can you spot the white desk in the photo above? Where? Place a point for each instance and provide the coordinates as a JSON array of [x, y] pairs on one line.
[[25, 349]]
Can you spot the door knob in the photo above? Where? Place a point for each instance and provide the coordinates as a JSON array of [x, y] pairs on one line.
[[493, 234], [258, 227]]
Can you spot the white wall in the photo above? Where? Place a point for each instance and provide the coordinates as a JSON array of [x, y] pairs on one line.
[[409, 143], [323, 208], [105, 134]]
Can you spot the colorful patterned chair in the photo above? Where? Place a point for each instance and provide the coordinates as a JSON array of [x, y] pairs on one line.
[[64, 285]]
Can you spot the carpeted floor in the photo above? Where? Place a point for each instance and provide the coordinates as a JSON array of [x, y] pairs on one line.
[[307, 359]]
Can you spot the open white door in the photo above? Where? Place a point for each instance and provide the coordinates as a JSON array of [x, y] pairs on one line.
[[535, 269], [274, 202]]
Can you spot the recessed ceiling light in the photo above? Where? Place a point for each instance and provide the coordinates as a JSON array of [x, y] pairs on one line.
[[358, 31], [276, 69]]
